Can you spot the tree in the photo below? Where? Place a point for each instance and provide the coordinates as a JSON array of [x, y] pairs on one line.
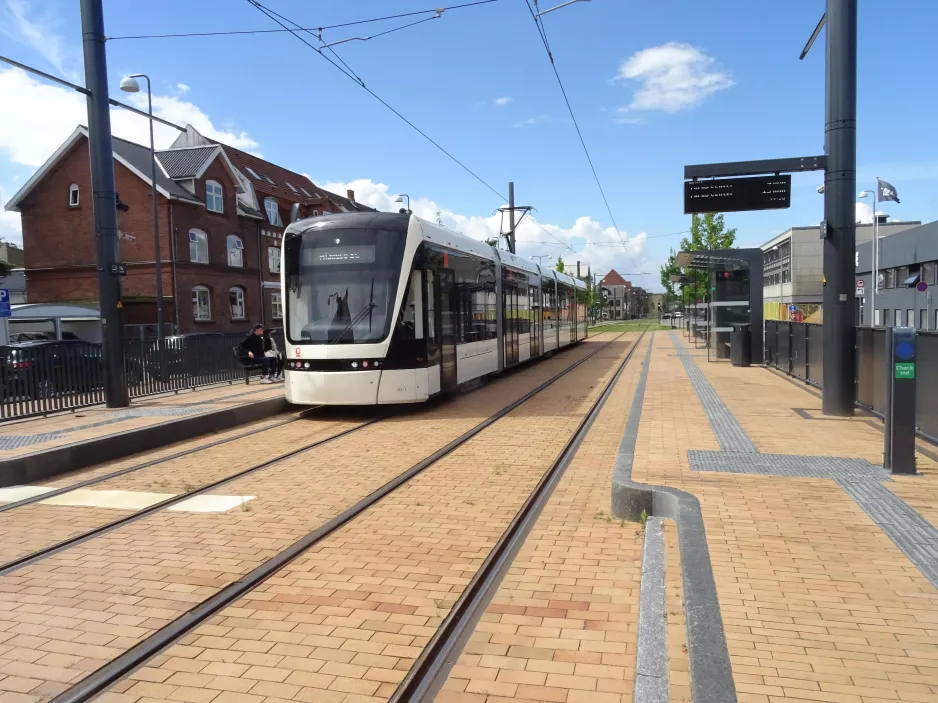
[[492, 242], [560, 265], [5, 268], [706, 232]]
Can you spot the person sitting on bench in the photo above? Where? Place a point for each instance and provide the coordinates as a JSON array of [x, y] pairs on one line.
[[253, 347]]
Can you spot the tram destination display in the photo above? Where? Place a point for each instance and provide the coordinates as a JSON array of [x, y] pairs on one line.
[[737, 194], [333, 256]]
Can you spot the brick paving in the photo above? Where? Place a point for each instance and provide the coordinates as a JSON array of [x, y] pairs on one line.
[[345, 621], [563, 624], [20, 437], [817, 602], [95, 600]]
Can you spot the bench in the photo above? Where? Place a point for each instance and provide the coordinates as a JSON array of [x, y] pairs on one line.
[[247, 363]]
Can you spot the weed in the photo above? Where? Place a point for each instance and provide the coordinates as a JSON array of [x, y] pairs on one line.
[[603, 515], [643, 518]]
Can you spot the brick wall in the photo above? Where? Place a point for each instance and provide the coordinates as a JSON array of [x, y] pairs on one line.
[[60, 255]]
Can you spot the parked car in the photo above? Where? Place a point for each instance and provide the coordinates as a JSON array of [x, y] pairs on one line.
[[44, 368]]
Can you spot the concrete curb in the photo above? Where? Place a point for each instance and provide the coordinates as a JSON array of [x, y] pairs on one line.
[[42, 465], [711, 674]]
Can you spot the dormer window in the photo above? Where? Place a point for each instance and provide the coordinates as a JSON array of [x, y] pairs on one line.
[[273, 212], [214, 199], [73, 195]]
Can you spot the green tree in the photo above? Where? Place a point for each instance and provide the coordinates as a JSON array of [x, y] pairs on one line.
[[5, 267], [492, 242], [560, 265], [707, 232]]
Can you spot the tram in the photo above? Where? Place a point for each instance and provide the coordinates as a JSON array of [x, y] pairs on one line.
[[390, 308]]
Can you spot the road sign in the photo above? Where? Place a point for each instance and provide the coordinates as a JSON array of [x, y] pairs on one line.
[[118, 270], [921, 287], [792, 308], [737, 194], [861, 283], [5, 309], [861, 292]]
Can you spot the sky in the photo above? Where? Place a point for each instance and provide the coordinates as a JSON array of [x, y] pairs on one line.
[[653, 86]]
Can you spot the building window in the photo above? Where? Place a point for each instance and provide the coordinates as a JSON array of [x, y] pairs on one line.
[[929, 272], [910, 318], [213, 196], [880, 279], [315, 213], [235, 251], [902, 276], [276, 306], [890, 278], [923, 319], [201, 303], [898, 319], [273, 212], [876, 318], [236, 303], [273, 259], [198, 246], [73, 195]]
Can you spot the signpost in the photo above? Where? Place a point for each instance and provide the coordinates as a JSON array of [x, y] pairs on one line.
[[6, 310], [921, 287], [738, 194], [899, 416]]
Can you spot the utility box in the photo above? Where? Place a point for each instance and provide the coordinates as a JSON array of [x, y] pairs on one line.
[[741, 345], [899, 438]]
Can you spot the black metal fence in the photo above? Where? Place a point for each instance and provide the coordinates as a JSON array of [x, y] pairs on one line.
[[797, 348], [44, 377]]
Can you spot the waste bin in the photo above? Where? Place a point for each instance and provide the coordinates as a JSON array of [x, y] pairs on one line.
[[741, 345]]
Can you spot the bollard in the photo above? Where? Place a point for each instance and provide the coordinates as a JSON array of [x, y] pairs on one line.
[[899, 410]]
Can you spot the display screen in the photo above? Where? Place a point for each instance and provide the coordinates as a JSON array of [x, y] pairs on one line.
[[335, 256]]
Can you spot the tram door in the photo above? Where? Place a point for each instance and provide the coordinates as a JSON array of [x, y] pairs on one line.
[[447, 316], [534, 314], [510, 317]]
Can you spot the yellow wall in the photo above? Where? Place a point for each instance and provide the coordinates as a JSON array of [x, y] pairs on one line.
[[806, 312]]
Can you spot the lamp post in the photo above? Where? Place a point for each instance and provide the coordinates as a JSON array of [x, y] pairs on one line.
[[875, 255], [400, 198], [541, 257], [130, 85]]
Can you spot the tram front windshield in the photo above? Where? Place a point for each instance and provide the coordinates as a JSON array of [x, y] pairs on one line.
[[341, 285]]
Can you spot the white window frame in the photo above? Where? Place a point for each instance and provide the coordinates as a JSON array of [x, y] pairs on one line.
[[276, 306], [73, 195], [198, 292], [253, 173], [196, 259], [290, 186], [235, 248], [239, 302], [272, 208], [273, 259], [214, 196]]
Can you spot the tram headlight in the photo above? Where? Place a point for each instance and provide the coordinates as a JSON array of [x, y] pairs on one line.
[[354, 364], [364, 364], [306, 365]]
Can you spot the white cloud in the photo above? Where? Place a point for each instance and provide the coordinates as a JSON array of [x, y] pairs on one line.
[[540, 119], [182, 87], [34, 32], [35, 118], [10, 229], [672, 77], [594, 244], [501, 102]]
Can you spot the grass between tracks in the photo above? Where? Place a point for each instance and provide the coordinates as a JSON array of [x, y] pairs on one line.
[[629, 326]]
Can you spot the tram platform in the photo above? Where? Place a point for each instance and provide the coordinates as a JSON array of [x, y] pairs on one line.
[[38, 448], [784, 565]]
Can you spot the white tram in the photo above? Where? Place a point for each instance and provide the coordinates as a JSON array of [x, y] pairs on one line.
[[390, 308]]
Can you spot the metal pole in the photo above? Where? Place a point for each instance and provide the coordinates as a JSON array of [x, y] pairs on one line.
[[104, 201], [840, 188], [875, 276], [511, 217], [157, 256]]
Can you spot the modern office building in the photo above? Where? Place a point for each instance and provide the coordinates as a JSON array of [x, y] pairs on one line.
[[793, 268]]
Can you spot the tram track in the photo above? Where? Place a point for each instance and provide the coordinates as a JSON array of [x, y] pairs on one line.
[[135, 657]]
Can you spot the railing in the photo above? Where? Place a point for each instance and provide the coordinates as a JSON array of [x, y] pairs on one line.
[[797, 348], [49, 377]]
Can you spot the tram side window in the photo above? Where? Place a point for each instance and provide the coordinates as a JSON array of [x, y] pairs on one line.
[[431, 307], [410, 323]]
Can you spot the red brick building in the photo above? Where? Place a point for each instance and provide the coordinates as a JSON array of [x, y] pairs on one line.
[[221, 217]]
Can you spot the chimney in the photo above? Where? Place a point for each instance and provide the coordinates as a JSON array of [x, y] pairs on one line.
[[881, 219], [350, 194]]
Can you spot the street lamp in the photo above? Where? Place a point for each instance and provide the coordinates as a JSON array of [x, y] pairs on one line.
[[130, 85], [400, 199], [875, 251]]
